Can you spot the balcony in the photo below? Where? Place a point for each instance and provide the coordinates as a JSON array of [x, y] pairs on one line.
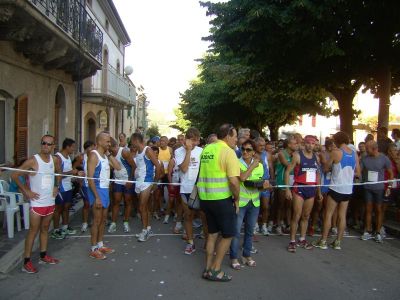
[[57, 34], [109, 88]]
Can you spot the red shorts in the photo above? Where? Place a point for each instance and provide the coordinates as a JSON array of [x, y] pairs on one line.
[[173, 191], [44, 210]]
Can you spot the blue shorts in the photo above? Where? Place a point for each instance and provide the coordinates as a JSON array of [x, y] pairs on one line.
[[265, 194], [85, 193], [64, 197], [121, 188], [305, 192], [104, 197]]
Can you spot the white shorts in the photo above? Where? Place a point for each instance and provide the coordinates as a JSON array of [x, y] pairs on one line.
[[142, 186]]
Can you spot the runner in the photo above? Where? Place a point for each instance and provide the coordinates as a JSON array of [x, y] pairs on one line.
[[373, 168], [145, 162], [122, 140], [188, 160], [42, 189], [324, 157], [306, 172], [173, 190], [157, 191], [122, 188], [343, 163], [265, 196], [64, 196], [284, 205], [81, 161], [98, 167], [165, 155]]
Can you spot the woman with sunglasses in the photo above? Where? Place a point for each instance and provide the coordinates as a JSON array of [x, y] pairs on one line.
[[251, 173]]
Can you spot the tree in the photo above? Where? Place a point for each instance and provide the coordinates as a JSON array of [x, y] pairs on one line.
[[180, 123], [318, 44], [153, 131]]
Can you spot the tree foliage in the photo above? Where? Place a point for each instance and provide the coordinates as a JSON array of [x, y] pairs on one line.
[[153, 131], [180, 123]]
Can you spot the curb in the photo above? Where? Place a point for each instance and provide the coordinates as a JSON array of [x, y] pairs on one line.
[[14, 257]]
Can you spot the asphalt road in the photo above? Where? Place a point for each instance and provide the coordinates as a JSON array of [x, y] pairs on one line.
[[158, 269]]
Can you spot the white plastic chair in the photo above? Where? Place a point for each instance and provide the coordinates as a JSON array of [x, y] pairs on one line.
[[10, 205]]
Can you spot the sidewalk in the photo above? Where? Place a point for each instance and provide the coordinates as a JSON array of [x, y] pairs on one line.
[[11, 250]]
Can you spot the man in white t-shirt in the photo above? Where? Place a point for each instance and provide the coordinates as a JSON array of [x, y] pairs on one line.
[[188, 159]]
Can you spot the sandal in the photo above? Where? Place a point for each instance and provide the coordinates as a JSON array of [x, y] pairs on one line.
[[213, 276], [236, 266], [248, 261], [205, 274]]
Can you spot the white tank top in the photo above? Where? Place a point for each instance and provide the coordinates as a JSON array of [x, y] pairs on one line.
[[343, 173], [123, 173], [43, 184], [85, 158], [102, 171], [66, 166]]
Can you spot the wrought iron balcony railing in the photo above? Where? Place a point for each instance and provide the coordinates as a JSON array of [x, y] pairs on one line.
[[72, 17]]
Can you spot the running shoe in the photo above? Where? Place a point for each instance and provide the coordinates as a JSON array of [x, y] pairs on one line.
[[378, 238], [97, 255], [112, 228], [336, 245], [48, 260], [29, 268], [279, 230], [304, 244], [126, 227], [334, 231], [320, 244], [383, 232], [178, 228], [166, 219], [106, 250], [144, 235], [190, 249], [256, 229], [270, 227], [264, 230], [84, 227], [366, 236], [69, 231], [156, 216], [292, 247], [57, 234]]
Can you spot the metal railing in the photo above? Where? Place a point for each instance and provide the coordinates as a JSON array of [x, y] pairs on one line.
[[72, 17], [110, 82]]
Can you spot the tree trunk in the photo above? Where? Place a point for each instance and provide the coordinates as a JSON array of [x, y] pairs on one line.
[[384, 85], [344, 97], [273, 132]]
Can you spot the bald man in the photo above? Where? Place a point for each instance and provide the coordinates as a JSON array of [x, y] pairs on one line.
[[98, 167], [373, 167]]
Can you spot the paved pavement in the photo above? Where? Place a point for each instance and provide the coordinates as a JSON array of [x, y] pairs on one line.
[[158, 269]]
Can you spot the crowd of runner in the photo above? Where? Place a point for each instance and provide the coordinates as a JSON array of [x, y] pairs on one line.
[[290, 186]]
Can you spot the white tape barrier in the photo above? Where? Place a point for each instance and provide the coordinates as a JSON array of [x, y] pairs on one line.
[[178, 184]]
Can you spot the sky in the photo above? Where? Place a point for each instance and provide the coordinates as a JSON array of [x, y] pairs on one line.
[[166, 40]]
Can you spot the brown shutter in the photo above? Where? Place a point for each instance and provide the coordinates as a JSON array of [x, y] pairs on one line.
[[21, 129]]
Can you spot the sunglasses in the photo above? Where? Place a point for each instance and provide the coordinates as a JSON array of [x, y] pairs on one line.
[[46, 143], [247, 149]]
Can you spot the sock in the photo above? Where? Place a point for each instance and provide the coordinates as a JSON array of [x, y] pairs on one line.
[[190, 242], [100, 244], [94, 248], [178, 223], [84, 223], [26, 260], [42, 254], [293, 241], [302, 239], [64, 227], [148, 227]]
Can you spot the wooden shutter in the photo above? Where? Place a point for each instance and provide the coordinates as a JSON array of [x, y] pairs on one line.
[[21, 130]]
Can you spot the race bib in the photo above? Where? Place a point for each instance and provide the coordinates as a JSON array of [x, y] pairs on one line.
[[47, 182], [372, 176], [311, 176]]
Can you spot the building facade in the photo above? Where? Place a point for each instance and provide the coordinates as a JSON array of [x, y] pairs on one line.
[[46, 48], [108, 97]]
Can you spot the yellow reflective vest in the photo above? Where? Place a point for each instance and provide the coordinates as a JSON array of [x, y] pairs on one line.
[[248, 194]]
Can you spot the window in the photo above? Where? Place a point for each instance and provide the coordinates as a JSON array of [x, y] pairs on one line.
[[2, 131], [107, 25], [314, 121]]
